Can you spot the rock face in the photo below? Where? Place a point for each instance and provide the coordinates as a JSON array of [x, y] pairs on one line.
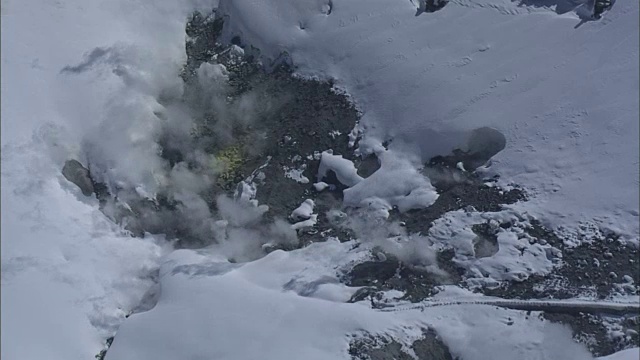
[[79, 175]]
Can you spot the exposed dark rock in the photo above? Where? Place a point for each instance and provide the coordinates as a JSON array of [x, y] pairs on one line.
[[429, 347], [367, 165], [305, 116], [101, 355], [416, 283], [373, 273], [486, 242], [457, 190], [79, 175], [203, 31], [591, 331], [294, 118], [430, 6], [482, 145], [586, 269]]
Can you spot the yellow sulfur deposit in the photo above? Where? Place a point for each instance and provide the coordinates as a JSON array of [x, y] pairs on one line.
[[228, 161]]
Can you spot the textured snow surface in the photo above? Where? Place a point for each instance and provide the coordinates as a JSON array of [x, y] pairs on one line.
[[69, 276], [396, 183], [344, 169], [566, 98], [290, 305], [304, 211], [629, 354], [515, 259]]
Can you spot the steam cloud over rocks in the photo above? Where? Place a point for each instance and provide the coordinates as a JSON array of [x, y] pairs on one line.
[[168, 146]]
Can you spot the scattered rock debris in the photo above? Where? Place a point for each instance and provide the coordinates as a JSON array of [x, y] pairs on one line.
[[369, 347]]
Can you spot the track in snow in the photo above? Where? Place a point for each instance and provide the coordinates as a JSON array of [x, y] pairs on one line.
[[558, 306]]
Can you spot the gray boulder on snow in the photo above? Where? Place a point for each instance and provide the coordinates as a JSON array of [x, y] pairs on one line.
[[79, 175], [482, 145], [486, 141]]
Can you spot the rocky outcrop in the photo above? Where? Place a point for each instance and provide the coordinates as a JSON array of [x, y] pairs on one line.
[[79, 175]]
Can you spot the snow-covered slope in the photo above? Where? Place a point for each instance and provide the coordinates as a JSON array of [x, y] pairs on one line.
[[565, 97], [69, 275], [629, 354], [290, 306]]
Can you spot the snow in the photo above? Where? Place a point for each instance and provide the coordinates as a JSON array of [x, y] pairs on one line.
[[565, 96], [517, 258], [289, 305], [628, 354], [344, 169], [321, 185], [312, 220], [397, 183], [483, 332], [296, 174], [304, 211], [246, 311], [69, 275]]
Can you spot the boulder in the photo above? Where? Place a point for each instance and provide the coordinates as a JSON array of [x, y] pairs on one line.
[[79, 175]]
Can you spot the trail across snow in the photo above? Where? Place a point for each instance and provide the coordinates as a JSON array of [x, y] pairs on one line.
[[571, 306]]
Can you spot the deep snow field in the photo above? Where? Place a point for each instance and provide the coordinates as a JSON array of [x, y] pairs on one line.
[[320, 179]]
